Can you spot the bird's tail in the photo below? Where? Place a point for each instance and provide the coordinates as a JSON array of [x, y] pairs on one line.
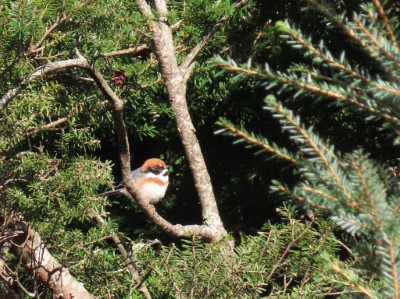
[[110, 193]]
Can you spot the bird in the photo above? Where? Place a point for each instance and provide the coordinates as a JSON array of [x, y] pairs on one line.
[[151, 179]]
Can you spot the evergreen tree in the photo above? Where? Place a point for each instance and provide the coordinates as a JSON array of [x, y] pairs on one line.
[[358, 193], [58, 108]]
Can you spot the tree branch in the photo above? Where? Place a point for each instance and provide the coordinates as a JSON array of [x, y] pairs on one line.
[[49, 126], [133, 51], [213, 228], [190, 58], [135, 274], [175, 80], [31, 250], [40, 72], [144, 8]]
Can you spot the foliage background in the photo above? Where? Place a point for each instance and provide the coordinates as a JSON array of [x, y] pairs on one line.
[[52, 175]]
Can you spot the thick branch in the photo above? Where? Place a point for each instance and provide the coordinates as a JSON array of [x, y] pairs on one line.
[[161, 7], [144, 8], [175, 81], [208, 232], [32, 251]]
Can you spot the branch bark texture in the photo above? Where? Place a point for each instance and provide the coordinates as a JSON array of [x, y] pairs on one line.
[[175, 79], [29, 247]]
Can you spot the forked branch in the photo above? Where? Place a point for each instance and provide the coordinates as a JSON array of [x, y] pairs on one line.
[[207, 231]]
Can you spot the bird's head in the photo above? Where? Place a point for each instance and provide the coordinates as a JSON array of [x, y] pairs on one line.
[[155, 167]]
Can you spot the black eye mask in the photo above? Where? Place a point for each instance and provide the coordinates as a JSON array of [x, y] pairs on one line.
[[157, 170]]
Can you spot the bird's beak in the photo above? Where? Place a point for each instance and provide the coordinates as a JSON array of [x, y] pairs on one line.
[[165, 171]]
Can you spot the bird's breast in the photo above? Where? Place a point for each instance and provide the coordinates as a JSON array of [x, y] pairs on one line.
[[152, 188]]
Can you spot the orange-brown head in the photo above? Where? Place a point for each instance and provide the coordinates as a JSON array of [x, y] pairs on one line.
[[153, 165]]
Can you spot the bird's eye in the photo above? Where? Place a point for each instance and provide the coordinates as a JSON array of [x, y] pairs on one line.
[[156, 170]]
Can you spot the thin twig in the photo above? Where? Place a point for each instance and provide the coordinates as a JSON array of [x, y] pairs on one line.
[[49, 126], [128, 262], [185, 65], [61, 20]]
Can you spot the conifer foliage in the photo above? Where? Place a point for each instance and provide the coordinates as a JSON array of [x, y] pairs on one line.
[[71, 70], [359, 194]]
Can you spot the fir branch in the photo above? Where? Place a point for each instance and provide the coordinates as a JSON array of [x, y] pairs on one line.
[[288, 247], [344, 27], [38, 45], [307, 137], [375, 42], [328, 91], [364, 105], [278, 187], [374, 211], [353, 223], [255, 141], [327, 58], [394, 257], [386, 22], [350, 280], [320, 193], [129, 263]]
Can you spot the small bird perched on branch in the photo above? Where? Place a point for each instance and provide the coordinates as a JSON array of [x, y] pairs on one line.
[[151, 179]]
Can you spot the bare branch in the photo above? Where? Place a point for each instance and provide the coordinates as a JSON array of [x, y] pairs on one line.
[[161, 7], [176, 26], [144, 8], [129, 51]]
